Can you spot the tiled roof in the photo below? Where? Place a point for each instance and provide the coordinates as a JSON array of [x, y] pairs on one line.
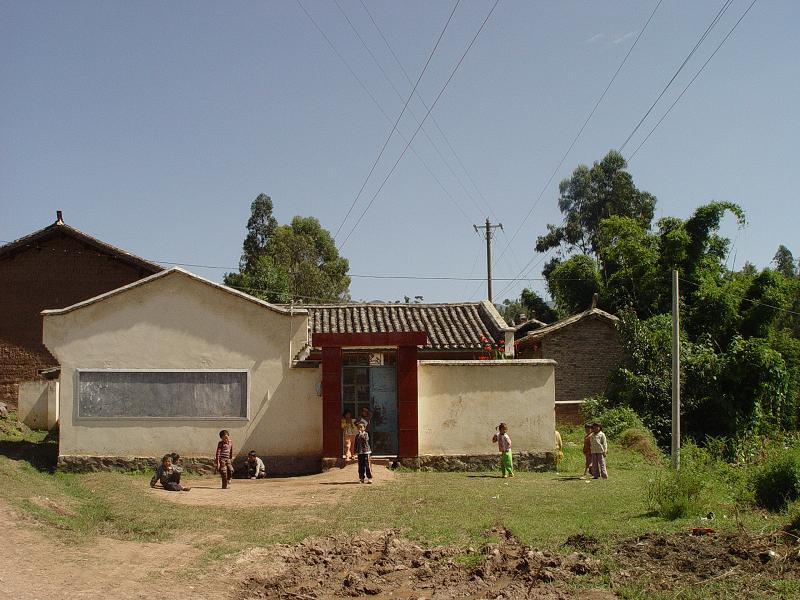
[[449, 326], [36, 238], [566, 322]]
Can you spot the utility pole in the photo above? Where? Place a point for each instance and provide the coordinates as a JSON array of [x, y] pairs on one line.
[[488, 233], [676, 374]]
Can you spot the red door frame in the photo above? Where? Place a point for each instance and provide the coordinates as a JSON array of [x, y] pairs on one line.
[[407, 391]]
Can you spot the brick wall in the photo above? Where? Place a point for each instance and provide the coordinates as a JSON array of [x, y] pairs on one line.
[[59, 272], [586, 351]]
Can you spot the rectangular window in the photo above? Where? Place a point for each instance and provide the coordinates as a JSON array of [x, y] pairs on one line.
[[179, 394]]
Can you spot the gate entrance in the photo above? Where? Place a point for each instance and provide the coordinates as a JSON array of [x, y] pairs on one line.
[[369, 380]]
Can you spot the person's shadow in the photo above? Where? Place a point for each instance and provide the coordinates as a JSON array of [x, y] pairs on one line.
[[42, 456]]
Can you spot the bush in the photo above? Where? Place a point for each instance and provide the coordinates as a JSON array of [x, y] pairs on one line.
[[676, 494], [593, 407], [615, 419], [777, 483], [642, 441]]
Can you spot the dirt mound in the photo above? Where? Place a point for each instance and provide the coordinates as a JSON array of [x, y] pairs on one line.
[[663, 562], [383, 564]]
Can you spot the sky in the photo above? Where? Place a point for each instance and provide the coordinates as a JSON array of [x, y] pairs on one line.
[[153, 126]]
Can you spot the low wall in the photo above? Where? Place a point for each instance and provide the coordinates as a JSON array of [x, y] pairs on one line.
[[38, 404], [569, 412], [461, 403]]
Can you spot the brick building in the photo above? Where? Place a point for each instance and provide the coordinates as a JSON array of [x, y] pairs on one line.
[[586, 348], [51, 268]]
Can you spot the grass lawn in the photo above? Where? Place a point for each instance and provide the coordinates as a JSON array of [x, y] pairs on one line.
[[541, 509]]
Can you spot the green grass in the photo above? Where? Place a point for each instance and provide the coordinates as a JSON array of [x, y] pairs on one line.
[[541, 509]]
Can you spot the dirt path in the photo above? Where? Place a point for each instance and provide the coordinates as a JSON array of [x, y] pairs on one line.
[[323, 488], [34, 567]]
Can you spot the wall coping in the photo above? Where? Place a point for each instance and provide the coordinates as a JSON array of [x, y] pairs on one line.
[[490, 363]]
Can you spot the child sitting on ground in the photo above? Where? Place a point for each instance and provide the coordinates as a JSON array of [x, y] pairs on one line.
[[223, 459], [504, 444], [169, 476], [255, 466]]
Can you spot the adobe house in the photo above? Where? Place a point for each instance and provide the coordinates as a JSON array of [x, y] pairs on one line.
[[586, 348], [164, 363], [54, 267]]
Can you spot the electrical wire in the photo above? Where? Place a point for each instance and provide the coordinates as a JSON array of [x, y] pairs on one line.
[[438, 96], [577, 135], [688, 85], [386, 116], [400, 116], [711, 26]]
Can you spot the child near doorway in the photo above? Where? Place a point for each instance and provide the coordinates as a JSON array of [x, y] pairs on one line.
[[348, 434], [223, 459], [504, 444], [364, 451]]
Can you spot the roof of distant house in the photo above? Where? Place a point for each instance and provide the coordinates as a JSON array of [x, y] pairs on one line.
[[38, 238], [456, 326], [592, 313]]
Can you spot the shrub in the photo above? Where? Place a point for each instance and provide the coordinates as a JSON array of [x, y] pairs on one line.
[[676, 494], [642, 441], [618, 419], [777, 482], [593, 407]]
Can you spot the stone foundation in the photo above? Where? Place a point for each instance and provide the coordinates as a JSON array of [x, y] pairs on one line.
[[277, 465], [523, 461]]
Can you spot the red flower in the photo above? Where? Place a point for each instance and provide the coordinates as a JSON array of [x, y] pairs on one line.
[[483, 358]]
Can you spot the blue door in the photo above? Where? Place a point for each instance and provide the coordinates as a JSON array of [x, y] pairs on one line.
[[383, 397]]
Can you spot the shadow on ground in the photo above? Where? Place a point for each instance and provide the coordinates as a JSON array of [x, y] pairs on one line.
[[42, 456]]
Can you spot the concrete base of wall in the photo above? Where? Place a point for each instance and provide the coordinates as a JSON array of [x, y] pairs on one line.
[[276, 465], [523, 461]]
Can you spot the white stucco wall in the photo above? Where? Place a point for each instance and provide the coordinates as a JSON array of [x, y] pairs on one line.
[[179, 322], [461, 403], [38, 404]]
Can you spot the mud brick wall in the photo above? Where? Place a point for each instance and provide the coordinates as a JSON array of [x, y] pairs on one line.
[[586, 351], [57, 272]]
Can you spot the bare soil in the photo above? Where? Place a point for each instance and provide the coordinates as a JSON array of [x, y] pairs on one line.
[[35, 567], [322, 488]]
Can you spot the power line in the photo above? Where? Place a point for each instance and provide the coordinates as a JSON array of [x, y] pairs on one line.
[[711, 26], [688, 85], [410, 110], [578, 135], [402, 112], [439, 95], [385, 115], [433, 118]]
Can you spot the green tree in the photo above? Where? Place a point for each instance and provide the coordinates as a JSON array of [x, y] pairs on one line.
[[284, 262], [784, 262], [591, 195], [573, 282], [536, 308]]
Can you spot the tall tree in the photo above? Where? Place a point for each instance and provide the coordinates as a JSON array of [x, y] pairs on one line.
[[591, 195], [784, 262], [283, 262]]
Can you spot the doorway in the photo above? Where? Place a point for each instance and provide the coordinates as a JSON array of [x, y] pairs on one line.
[[369, 380]]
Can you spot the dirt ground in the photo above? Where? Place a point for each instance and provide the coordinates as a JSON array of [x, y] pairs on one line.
[[322, 488], [33, 567]]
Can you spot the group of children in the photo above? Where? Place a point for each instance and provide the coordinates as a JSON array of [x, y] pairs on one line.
[[169, 471], [355, 440], [595, 448]]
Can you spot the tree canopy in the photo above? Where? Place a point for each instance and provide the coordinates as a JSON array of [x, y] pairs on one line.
[[298, 261]]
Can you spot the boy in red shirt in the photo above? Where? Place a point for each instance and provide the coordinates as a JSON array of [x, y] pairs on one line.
[[223, 460]]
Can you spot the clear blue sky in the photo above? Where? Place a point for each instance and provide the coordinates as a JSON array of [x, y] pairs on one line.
[[153, 125]]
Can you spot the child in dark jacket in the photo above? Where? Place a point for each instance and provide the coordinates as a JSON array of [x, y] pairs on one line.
[[169, 476], [363, 450]]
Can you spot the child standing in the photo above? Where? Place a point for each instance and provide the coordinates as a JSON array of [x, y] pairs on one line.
[[587, 450], [169, 476], [504, 444], [223, 460], [363, 450], [348, 434], [599, 449]]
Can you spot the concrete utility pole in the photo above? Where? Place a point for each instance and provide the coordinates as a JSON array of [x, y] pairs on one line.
[[676, 375], [488, 232]]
